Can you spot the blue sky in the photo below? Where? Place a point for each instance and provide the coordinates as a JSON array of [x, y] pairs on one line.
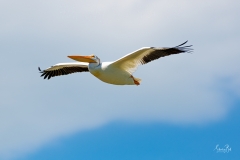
[[185, 105], [146, 141]]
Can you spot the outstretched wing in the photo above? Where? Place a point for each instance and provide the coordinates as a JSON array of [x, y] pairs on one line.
[[64, 69], [144, 55]]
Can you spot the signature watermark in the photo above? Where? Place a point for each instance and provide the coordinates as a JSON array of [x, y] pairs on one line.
[[224, 149]]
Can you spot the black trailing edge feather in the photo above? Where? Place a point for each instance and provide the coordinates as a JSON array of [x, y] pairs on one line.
[[162, 52], [62, 71]]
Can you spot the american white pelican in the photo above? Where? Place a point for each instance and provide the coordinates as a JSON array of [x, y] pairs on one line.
[[118, 72]]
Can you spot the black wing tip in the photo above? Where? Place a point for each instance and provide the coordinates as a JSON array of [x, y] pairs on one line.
[[185, 48], [184, 43], [45, 74]]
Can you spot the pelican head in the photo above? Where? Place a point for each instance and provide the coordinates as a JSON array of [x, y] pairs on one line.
[[89, 59]]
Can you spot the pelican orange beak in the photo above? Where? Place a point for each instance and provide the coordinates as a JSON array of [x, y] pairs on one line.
[[83, 58]]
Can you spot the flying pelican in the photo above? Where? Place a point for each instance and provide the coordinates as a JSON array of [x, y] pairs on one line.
[[118, 72]]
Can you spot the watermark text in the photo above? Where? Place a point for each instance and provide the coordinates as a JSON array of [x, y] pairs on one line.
[[224, 149]]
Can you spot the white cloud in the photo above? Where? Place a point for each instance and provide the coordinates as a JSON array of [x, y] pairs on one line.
[[180, 89]]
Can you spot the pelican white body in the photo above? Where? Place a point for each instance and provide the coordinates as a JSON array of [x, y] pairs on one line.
[[110, 74]]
